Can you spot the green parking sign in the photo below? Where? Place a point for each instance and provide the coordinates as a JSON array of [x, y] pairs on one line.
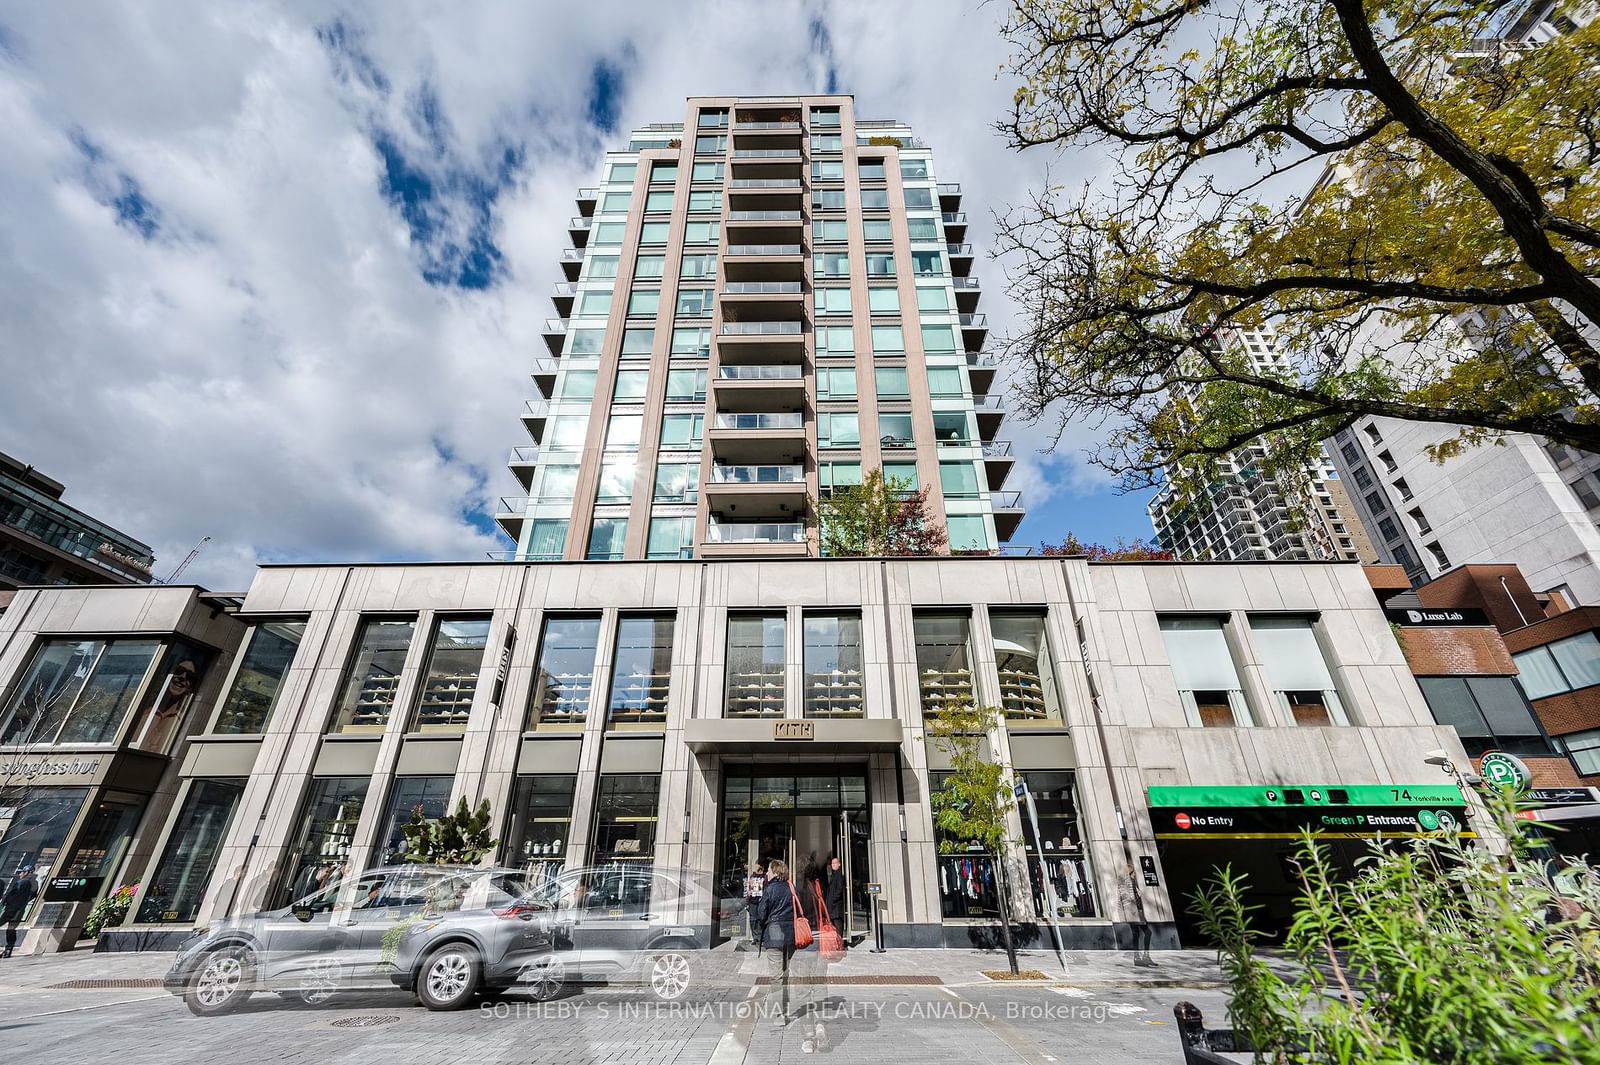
[[1505, 771]]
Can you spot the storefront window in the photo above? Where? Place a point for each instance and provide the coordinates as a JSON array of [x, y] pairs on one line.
[[756, 674], [642, 672], [451, 678], [76, 692], [101, 844], [178, 884], [374, 675], [967, 884], [167, 706], [327, 830], [425, 797], [625, 819], [256, 686], [563, 687], [833, 670], [540, 827], [1059, 847], [1488, 713], [32, 829], [944, 661], [1027, 679]]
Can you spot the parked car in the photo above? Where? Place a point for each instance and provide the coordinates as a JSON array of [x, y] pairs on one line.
[[354, 936], [633, 924]]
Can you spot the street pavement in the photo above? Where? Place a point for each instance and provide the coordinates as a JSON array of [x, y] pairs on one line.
[[899, 1007]]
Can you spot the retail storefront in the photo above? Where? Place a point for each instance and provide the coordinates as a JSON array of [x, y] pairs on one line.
[[1257, 831]]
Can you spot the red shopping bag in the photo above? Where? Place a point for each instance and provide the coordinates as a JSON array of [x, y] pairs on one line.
[[830, 944], [802, 927]]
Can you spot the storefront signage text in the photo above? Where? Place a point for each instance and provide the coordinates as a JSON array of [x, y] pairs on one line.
[[794, 730], [30, 770], [1424, 616], [1265, 822]]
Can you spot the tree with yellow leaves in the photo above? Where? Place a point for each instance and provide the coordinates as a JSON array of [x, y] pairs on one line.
[[1403, 191]]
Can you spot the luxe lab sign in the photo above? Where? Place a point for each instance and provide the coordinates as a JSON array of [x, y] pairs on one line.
[[1435, 618]]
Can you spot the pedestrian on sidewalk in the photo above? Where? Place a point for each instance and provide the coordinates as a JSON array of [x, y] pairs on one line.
[[775, 914], [1131, 902], [813, 962], [755, 885], [835, 892], [19, 895]]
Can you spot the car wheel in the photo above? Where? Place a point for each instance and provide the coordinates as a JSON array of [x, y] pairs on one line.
[[222, 982], [319, 983], [544, 979], [449, 977], [669, 974]]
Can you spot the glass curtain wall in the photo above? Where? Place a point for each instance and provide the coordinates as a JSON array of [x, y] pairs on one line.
[[425, 797], [179, 879], [373, 678], [756, 665], [249, 703], [563, 685], [450, 681], [641, 674], [76, 692], [327, 830], [540, 827], [833, 667]]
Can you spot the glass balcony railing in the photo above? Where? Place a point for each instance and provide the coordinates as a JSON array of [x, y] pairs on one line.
[[795, 420], [974, 321], [966, 282], [555, 325], [580, 222], [1006, 500], [763, 216], [762, 532], [784, 474], [589, 194], [765, 249], [564, 290], [760, 329], [752, 126], [523, 456], [764, 183], [761, 288], [954, 218], [997, 449], [571, 255], [766, 153], [949, 189], [960, 251], [782, 372], [511, 505]]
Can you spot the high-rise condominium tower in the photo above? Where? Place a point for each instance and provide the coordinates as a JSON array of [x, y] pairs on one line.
[[1248, 515], [762, 303]]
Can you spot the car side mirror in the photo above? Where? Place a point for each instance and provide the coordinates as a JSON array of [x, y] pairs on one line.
[[302, 913]]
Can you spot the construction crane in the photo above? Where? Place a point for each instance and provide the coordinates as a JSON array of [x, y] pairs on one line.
[[186, 560]]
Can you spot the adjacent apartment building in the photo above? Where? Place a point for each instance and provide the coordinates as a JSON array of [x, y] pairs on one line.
[[1251, 515], [46, 541], [763, 301]]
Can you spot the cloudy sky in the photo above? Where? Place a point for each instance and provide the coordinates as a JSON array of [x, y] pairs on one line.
[[275, 273]]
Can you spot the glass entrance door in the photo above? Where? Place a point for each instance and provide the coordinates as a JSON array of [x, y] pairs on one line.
[[801, 816]]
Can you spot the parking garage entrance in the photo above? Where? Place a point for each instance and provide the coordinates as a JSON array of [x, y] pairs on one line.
[[802, 815]]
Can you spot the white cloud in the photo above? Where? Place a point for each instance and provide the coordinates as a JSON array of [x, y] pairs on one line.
[[216, 323]]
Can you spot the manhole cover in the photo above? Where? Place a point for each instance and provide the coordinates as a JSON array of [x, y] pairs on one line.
[[363, 1022]]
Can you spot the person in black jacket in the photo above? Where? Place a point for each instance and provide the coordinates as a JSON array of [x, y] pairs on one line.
[[775, 915], [835, 893], [19, 895]]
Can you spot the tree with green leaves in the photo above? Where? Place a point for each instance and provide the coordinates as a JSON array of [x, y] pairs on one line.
[[1435, 951], [973, 804], [1402, 191], [1137, 550], [458, 838], [878, 517]]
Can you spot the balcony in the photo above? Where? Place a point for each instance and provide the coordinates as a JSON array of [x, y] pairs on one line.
[[555, 334], [955, 224], [759, 184], [767, 153], [755, 538], [534, 415], [997, 463], [587, 198], [578, 228], [761, 328], [981, 369], [544, 376], [764, 262], [760, 386], [524, 463], [767, 250], [763, 341], [571, 263], [763, 288], [758, 437], [766, 127], [765, 226], [949, 196], [790, 473], [960, 259], [1008, 512], [990, 412], [562, 296], [967, 293], [761, 489], [509, 514], [974, 330], [765, 216]]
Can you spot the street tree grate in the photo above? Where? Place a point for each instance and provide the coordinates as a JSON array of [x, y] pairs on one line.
[[363, 1022], [857, 981], [107, 984]]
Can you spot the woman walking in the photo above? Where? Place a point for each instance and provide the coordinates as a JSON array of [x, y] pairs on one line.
[[775, 914]]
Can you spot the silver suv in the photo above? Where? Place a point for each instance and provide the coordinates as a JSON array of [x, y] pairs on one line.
[[351, 935]]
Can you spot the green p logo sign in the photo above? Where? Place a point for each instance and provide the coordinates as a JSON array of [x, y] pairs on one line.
[[1428, 820], [1505, 771]]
